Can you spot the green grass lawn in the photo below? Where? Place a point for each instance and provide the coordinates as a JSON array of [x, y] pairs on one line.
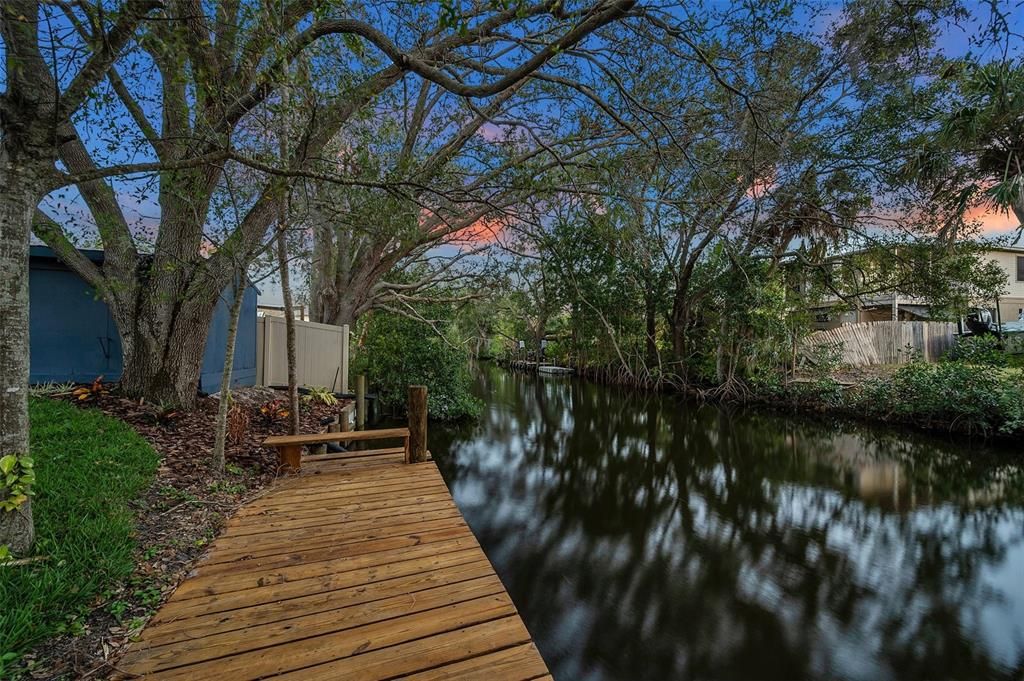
[[88, 468]]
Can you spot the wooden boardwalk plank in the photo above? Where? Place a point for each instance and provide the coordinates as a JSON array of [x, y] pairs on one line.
[[519, 663], [298, 557], [255, 637], [280, 611], [421, 655], [318, 510], [266, 593], [354, 570], [282, 543], [255, 578]]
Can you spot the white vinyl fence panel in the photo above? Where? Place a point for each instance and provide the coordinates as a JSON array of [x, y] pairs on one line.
[[321, 353], [869, 343]]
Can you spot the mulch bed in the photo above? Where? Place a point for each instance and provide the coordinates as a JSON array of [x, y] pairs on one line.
[[181, 512]]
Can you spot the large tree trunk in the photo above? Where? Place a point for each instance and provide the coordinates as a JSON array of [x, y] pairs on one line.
[[339, 290], [163, 351], [340, 305], [18, 200]]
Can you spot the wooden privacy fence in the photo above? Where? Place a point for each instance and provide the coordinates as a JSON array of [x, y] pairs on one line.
[[321, 353], [868, 343]]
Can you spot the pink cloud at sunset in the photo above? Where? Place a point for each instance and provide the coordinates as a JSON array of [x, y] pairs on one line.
[[992, 222], [483, 232]]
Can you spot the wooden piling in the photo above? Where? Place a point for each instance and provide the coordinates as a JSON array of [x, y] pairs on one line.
[[417, 451], [290, 457], [360, 402]]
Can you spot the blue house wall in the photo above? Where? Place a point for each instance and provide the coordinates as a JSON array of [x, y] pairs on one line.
[[73, 336]]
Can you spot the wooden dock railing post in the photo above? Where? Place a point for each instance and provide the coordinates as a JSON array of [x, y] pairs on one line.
[[416, 451], [290, 457], [360, 402]]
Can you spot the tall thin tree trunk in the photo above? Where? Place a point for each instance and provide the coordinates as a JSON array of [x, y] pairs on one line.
[[650, 312], [289, 323], [282, 262], [17, 206], [225, 380]]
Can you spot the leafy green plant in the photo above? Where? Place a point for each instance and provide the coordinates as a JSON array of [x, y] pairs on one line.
[[118, 609], [823, 359], [274, 411], [166, 414], [321, 395], [149, 596], [7, 659], [226, 487], [18, 477]]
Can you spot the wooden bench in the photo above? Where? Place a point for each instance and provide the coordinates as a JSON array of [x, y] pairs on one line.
[[289, 447]]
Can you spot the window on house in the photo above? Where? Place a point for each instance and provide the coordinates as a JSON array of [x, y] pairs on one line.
[[1020, 268]]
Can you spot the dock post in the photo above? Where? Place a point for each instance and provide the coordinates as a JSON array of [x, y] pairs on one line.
[[360, 401], [417, 449], [290, 458]]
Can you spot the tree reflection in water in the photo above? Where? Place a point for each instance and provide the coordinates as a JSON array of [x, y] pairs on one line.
[[644, 537]]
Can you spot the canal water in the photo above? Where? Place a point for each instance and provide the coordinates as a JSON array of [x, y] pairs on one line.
[[647, 537]]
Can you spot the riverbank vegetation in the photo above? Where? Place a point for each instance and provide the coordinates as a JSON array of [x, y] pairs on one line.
[[972, 390], [954, 395]]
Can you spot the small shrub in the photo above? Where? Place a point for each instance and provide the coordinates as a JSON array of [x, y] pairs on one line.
[[274, 411], [823, 359], [1011, 405], [166, 414], [984, 350], [321, 395], [818, 392]]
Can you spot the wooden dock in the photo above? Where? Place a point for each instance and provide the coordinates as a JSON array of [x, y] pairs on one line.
[[360, 567]]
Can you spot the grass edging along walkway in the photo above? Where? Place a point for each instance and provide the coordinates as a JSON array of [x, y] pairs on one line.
[[89, 467]]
